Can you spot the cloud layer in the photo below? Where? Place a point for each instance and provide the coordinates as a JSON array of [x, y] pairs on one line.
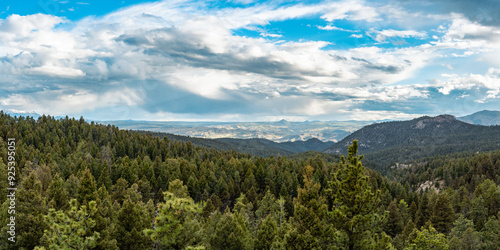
[[189, 60]]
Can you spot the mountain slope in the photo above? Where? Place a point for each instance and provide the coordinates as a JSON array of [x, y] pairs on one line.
[[390, 142], [256, 146], [485, 117]]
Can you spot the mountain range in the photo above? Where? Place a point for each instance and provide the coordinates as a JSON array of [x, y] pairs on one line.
[[280, 131], [383, 143], [485, 117], [254, 146], [391, 142]]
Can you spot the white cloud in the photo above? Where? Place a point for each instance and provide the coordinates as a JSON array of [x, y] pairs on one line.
[[271, 35], [370, 115], [351, 10], [62, 102], [466, 35], [331, 27], [383, 35], [490, 81], [186, 46]]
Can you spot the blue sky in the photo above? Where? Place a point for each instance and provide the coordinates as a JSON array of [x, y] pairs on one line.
[[249, 60]]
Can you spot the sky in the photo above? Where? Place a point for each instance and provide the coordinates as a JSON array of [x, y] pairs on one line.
[[246, 60]]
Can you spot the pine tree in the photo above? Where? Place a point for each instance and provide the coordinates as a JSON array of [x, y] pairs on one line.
[[104, 217], [86, 187], [460, 226], [68, 230], [355, 204], [427, 239], [3, 173], [104, 179], [423, 213], [394, 224], [57, 196], [443, 215], [408, 229], [176, 225], [119, 190], [267, 206], [266, 232], [412, 211], [228, 231], [310, 229], [131, 221], [72, 186], [30, 209], [490, 235], [479, 213]]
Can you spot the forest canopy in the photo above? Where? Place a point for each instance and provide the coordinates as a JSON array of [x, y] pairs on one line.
[[83, 185]]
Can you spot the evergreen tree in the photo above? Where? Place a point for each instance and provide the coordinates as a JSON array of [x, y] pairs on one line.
[[131, 221], [443, 215], [460, 226], [57, 196], [394, 224], [68, 230], [266, 232], [427, 239], [228, 231], [355, 204], [490, 235], [310, 229], [405, 235], [104, 217], [30, 209], [479, 212], [86, 188], [267, 206], [423, 213], [175, 225], [119, 190], [104, 178], [413, 211]]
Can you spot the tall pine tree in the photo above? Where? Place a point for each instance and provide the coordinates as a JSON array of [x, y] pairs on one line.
[[354, 202]]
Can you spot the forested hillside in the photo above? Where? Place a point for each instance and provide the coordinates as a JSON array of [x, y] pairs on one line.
[[255, 146], [82, 185], [389, 143]]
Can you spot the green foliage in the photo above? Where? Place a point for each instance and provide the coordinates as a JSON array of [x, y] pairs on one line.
[[86, 187], [131, 221], [427, 239], [443, 214], [395, 223], [401, 141], [227, 231], [176, 225], [355, 204], [310, 229], [30, 210], [266, 233], [305, 201], [57, 196], [69, 230], [490, 235]]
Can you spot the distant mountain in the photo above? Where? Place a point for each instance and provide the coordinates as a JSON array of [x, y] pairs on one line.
[[390, 142], [485, 117], [18, 114], [280, 131], [255, 146]]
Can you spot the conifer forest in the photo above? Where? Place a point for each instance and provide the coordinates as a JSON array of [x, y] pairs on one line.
[[81, 185]]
